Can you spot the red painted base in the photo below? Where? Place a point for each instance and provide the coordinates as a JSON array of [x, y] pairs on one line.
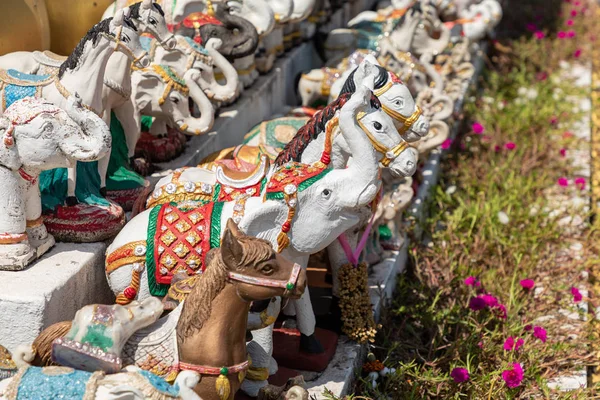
[[127, 197], [286, 350], [279, 379], [85, 223], [162, 149]]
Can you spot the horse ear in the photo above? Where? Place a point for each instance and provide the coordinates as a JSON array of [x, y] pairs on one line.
[[118, 18], [231, 249], [234, 228], [146, 4]]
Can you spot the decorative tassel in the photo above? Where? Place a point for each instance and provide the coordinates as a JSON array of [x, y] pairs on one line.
[[171, 376], [222, 385], [130, 292], [283, 241]]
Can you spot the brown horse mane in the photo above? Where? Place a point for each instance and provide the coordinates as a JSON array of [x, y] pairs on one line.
[[198, 304], [313, 128]]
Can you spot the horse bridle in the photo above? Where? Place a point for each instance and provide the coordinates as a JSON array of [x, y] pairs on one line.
[[288, 285], [407, 121], [119, 45], [147, 23], [389, 154]]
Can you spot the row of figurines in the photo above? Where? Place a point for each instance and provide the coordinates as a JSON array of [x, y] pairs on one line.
[[85, 201], [266, 201]]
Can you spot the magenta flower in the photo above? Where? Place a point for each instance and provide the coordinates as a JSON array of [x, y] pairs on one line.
[[577, 297], [527, 284], [478, 128], [540, 333], [563, 182], [518, 344], [554, 120], [510, 146], [509, 344], [580, 183], [562, 34], [571, 34], [446, 144], [472, 281], [513, 377], [577, 53], [489, 300], [497, 148], [527, 327], [501, 311], [573, 13], [563, 152], [460, 375], [540, 35], [531, 27], [477, 303], [570, 22]]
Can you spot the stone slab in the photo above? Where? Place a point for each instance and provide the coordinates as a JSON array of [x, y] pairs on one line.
[[51, 290]]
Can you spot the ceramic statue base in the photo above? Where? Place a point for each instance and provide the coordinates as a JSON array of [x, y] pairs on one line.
[[126, 197], [70, 353], [287, 344], [161, 149], [84, 223], [18, 262]]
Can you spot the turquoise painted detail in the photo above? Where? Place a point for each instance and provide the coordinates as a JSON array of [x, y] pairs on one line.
[[146, 43], [195, 46], [13, 73], [35, 385], [160, 384], [120, 176], [27, 86], [97, 336]]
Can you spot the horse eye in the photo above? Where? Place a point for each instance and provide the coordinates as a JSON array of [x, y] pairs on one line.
[[153, 21], [268, 269], [125, 38], [377, 125], [175, 100]]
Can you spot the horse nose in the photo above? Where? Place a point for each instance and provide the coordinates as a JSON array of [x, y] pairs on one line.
[[172, 43], [422, 125], [144, 62]]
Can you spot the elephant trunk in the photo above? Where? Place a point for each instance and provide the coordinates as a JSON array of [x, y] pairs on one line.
[[90, 140], [245, 41], [197, 126], [229, 90]]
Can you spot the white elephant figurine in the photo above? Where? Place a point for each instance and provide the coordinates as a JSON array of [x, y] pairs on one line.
[[62, 382], [39, 136], [98, 334], [271, 45]]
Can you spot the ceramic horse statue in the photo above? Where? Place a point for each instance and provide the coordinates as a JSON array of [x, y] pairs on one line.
[[83, 71], [206, 334]]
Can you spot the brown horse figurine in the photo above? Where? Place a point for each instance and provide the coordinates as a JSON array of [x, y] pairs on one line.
[[209, 327]]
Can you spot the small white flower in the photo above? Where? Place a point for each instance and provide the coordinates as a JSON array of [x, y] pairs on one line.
[[451, 190], [519, 101], [503, 218], [487, 100], [532, 94], [522, 91], [500, 105]]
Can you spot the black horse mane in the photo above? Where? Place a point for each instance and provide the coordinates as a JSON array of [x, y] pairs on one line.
[[350, 86], [135, 10], [93, 34]]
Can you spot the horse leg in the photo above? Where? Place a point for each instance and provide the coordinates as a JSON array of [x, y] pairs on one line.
[[71, 180]]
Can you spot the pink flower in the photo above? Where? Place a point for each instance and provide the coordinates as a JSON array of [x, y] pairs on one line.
[[478, 128], [531, 27], [513, 377], [477, 303], [541, 76], [527, 327], [540, 333], [480, 345], [510, 146], [446, 144], [563, 152], [489, 300], [562, 34], [571, 34], [563, 182], [577, 53], [501, 311], [580, 183], [570, 22], [509, 343], [573, 13], [554, 120], [472, 281], [577, 297], [527, 284], [460, 375], [540, 35], [519, 344], [497, 148], [577, 4], [567, 135]]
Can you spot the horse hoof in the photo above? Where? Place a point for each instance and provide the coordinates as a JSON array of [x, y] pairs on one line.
[[310, 344], [103, 191], [71, 201]]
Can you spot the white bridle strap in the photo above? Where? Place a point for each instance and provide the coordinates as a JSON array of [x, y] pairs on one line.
[[276, 283]]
